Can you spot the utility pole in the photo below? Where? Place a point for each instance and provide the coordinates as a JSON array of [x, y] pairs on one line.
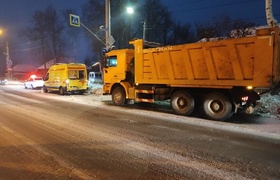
[[107, 22], [8, 61], [144, 30]]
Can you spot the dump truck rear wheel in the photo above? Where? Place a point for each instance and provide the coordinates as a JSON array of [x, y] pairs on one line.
[[217, 106], [182, 103], [118, 96]]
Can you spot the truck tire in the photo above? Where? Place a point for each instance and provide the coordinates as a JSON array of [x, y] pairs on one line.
[[118, 96], [217, 106], [182, 103]]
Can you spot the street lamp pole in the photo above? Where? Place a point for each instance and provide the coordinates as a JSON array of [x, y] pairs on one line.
[[144, 30], [8, 61], [107, 22]]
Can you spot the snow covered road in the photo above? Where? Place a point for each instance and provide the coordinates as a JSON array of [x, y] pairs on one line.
[[48, 136]]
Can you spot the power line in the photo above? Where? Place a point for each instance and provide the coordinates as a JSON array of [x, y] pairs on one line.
[[27, 49]]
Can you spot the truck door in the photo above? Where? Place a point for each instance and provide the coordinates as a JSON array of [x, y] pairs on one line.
[[114, 70]]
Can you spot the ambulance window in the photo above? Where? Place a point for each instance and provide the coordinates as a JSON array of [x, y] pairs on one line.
[[72, 74], [111, 61], [81, 74], [76, 74]]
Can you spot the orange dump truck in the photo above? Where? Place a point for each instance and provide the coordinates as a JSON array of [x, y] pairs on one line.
[[219, 77]]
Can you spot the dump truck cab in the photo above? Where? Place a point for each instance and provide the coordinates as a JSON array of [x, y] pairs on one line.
[[117, 69]]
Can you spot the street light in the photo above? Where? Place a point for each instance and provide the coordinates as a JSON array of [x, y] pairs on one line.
[[129, 10]]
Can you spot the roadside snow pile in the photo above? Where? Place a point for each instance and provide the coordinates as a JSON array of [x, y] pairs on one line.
[[95, 88], [269, 106]]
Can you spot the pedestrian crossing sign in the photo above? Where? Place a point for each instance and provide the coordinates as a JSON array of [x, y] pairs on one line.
[[74, 20]]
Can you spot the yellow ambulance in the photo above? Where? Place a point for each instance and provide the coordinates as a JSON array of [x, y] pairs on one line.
[[66, 77]]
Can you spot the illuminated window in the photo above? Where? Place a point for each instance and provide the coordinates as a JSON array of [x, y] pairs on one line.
[[111, 61], [76, 74]]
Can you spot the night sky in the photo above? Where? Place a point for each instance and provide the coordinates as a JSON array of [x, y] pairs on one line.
[[201, 10], [17, 14]]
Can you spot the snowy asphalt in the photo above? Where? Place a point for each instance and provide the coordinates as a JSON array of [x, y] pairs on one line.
[[253, 124]]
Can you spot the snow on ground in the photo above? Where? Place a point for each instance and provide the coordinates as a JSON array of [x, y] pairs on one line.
[[269, 106], [264, 122]]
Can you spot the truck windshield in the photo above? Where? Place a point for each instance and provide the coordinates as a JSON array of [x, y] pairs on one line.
[[111, 61], [76, 74]]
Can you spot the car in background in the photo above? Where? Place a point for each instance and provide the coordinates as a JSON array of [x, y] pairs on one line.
[[3, 81], [34, 82]]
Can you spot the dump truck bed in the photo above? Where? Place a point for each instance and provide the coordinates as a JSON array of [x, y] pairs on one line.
[[249, 61]]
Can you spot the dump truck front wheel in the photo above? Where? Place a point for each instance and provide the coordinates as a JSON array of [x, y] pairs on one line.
[[118, 96], [182, 103], [217, 106]]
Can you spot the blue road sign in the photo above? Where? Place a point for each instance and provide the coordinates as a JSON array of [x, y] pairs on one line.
[[75, 20]]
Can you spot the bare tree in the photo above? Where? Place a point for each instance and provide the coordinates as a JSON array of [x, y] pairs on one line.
[[54, 29], [158, 21], [47, 31], [181, 34], [223, 26], [37, 33], [72, 34], [94, 18], [205, 31], [122, 24], [242, 28]]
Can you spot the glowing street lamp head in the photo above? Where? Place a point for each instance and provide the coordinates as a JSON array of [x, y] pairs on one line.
[[129, 10]]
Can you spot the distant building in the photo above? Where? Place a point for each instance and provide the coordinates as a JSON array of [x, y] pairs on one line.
[[21, 71]]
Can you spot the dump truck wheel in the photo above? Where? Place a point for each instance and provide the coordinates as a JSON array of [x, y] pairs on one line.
[[182, 103], [61, 91], [217, 106], [118, 96]]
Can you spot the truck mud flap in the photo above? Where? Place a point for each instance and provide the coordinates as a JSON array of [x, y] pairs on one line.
[[275, 90]]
